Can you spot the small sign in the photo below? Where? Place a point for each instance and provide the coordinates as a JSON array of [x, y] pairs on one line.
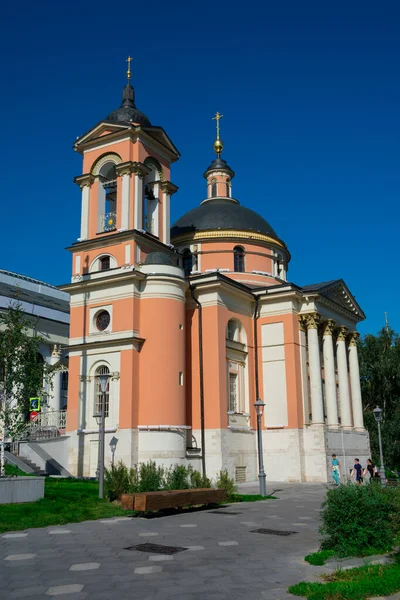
[[33, 416], [34, 404]]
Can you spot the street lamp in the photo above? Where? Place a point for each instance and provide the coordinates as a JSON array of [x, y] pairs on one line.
[[113, 447], [97, 416], [378, 418], [103, 379], [259, 406]]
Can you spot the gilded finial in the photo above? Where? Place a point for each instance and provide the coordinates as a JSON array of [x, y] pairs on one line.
[[128, 72], [218, 145]]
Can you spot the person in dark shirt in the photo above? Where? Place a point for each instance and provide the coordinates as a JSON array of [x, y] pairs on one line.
[[357, 471], [370, 471]]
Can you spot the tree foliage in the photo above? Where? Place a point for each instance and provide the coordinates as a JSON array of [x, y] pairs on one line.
[[379, 357], [21, 373]]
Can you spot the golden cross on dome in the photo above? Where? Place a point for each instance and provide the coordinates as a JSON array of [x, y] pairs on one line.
[[128, 73], [217, 117]]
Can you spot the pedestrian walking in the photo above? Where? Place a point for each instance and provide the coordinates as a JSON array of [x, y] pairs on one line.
[[335, 469], [370, 471], [357, 471]]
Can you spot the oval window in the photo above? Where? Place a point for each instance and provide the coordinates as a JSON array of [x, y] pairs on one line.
[[103, 320]]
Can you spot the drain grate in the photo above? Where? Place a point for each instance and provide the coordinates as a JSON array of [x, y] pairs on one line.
[[224, 512], [273, 532], [156, 548]]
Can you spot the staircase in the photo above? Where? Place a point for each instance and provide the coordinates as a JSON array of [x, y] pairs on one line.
[[37, 470]]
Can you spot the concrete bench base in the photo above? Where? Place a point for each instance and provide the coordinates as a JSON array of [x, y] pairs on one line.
[[21, 489], [172, 499]]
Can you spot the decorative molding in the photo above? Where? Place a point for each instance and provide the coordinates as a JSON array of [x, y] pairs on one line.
[[229, 233], [329, 327], [168, 187], [310, 320], [140, 169], [108, 157]]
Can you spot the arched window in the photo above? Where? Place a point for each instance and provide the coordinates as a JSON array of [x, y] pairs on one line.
[[228, 188], [108, 202], [232, 331], [213, 188], [187, 262], [237, 376], [104, 263], [103, 370], [238, 261]]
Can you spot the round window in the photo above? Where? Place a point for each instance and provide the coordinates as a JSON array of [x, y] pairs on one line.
[[102, 320]]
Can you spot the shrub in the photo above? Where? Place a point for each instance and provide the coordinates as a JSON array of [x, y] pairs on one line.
[[224, 482], [356, 518], [177, 478], [197, 480], [152, 478], [116, 480]]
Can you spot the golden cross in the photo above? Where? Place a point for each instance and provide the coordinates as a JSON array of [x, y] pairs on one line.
[[128, 73], [217, 117]]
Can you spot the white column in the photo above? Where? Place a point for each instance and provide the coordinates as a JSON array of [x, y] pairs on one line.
[[55, 392], [317, 405], [166, 218], [304, 374], [330, 376], [344, 393], [356, 400], [125, 202], [85, 213], [138, 218]]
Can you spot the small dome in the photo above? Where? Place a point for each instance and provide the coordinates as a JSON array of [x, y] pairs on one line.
[[159, 258], [221, 214], [219, 164], [128, 112]]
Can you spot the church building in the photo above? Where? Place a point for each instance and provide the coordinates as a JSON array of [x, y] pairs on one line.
[[196, 321]]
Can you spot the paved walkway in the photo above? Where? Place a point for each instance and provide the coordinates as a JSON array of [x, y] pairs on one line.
[[223, 558]]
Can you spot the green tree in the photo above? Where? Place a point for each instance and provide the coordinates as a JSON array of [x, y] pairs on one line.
[[380, 385], [21, 373]]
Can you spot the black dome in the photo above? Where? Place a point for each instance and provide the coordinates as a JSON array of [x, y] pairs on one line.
[[128, 111], [159, 258], [221, 214]]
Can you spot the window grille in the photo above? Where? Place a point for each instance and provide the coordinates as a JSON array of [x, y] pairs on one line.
[[104, 263], [241, 474], [103, 370], [233, 395]]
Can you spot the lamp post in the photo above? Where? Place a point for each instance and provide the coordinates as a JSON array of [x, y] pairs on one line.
[[97, 416], [378, 418], [259, 406], [103, 379]]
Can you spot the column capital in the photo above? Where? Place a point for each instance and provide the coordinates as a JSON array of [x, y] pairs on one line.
[[124, 168], [168, 187], [56, 351], [354, 336], [342, 334], [84, 180], [329, 327], [140, 169], [312, 320]]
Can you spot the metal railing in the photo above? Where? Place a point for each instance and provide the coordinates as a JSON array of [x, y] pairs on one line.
[[108, 221], [48, 424]]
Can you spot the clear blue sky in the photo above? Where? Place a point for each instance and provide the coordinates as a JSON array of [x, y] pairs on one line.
[[310, 93]]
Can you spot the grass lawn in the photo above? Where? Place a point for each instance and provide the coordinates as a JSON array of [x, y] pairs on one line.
[[353, 584], [250, 498], [65, 501]]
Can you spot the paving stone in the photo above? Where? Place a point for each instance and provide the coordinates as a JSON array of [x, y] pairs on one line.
[[17, 557], [147, 570], [228, 543], [58, 590], [188, 525], [84, 566], [194, 548], [59, 532], [150, 534], [26, 592], [160, 557], [13, 536]]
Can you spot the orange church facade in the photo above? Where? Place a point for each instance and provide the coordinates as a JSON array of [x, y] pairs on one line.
[[194, 322]]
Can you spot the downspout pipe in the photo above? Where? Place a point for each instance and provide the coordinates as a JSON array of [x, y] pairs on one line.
[[203, 437], [255, 317]]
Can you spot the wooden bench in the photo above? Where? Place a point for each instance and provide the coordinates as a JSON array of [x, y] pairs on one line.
[[144, 501]]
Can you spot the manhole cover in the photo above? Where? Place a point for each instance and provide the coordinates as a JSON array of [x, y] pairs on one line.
[[273, 532], [224, 512], [156, 549]]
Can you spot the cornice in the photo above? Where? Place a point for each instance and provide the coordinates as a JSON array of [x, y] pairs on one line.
[[84, 180], [228, 233], [115, 238], [336, 307], [168, 187], [93, 283]]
